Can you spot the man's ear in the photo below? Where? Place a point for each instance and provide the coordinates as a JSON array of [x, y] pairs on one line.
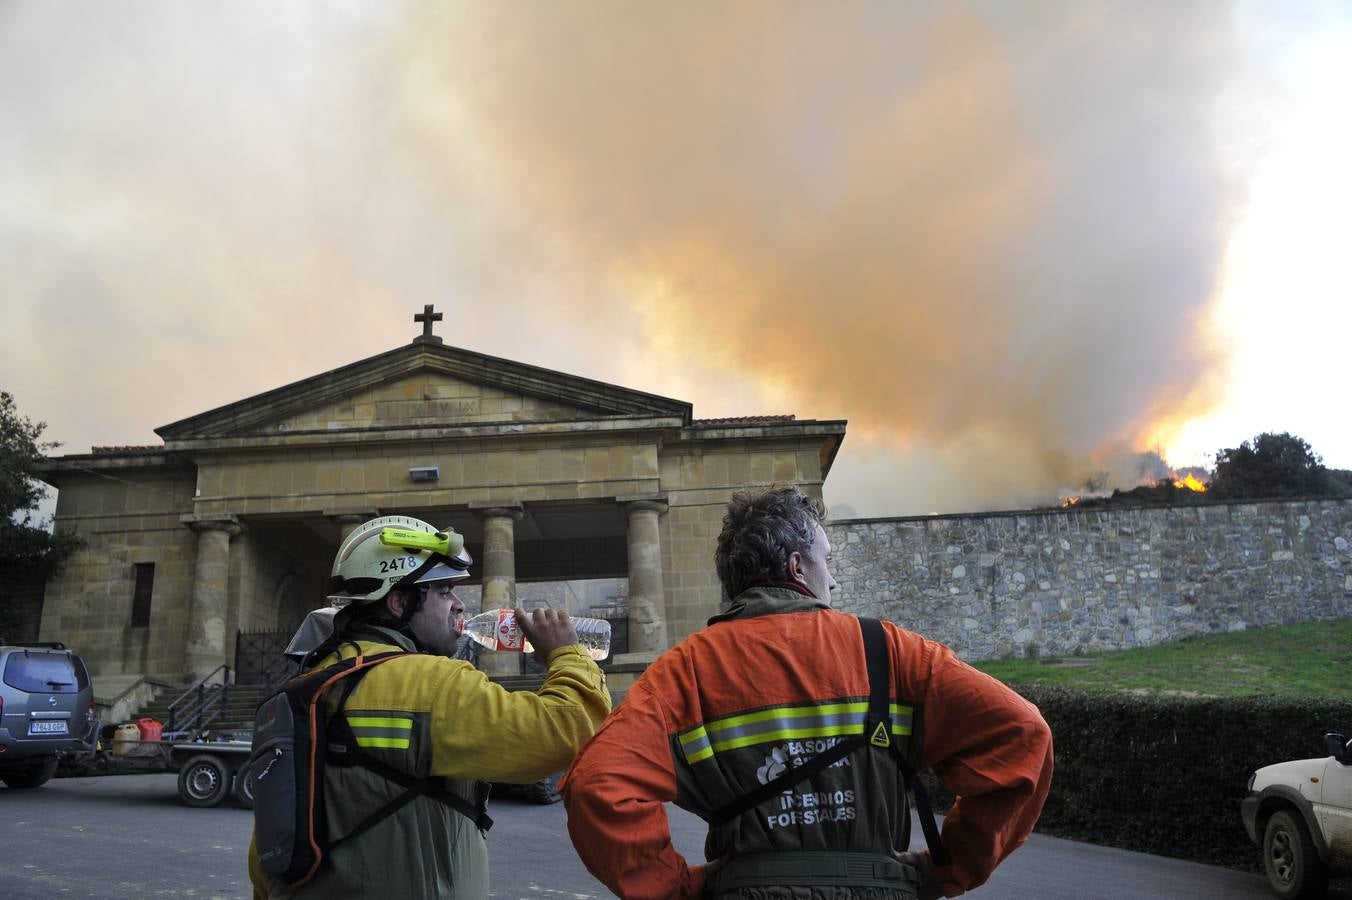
[[794, 567], [394, 602]]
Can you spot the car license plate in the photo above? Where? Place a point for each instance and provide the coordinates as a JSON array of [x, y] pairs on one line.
[[47, 727]]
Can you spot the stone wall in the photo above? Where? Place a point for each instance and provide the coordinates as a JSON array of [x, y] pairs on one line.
[[21, 609], [699, 480], [271, 588], [132, 518], [1064, 581]]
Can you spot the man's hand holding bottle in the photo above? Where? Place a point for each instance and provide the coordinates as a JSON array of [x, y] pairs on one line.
[[546, 629]]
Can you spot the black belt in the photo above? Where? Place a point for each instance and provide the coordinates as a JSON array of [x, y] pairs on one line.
[[820, 868]]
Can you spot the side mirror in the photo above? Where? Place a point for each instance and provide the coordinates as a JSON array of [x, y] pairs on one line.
[[1336, 745]]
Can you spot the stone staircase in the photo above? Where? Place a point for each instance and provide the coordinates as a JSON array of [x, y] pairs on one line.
[[237, 715]]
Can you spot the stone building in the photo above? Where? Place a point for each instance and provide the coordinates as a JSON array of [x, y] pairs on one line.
[[232, 522]]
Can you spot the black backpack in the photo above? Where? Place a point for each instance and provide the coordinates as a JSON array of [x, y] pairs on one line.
[[291, 745]]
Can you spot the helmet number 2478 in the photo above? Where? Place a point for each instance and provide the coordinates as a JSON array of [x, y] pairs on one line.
[[398, 564]]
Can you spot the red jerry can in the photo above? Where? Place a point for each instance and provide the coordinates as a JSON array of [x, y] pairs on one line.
[[150, 729]]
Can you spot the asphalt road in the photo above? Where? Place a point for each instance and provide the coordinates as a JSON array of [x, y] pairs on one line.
[[128, 836]]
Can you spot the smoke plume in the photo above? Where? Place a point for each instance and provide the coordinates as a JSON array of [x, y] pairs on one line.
[[988, 239], [989, 242]]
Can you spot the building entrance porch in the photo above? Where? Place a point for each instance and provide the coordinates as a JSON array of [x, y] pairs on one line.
[[265, 572]]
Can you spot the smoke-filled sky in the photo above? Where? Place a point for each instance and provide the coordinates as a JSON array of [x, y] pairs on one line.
[[1014, 244]]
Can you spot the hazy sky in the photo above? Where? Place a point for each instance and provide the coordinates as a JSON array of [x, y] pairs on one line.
[[1013, 243]]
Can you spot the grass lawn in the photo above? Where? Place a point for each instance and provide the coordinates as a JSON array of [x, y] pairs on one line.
[[1312, 659]]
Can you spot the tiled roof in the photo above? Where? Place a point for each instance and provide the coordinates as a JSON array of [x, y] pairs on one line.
[[741, 420], [122, 450]]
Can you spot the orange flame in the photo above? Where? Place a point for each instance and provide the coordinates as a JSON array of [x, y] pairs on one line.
[[1190, 483]]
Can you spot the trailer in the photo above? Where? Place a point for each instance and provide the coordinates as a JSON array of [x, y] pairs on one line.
[[209, 770]]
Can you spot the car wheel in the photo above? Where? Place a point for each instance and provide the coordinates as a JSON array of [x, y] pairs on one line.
[[36, 774], [1294, 870], [244, 785], [204, 781]]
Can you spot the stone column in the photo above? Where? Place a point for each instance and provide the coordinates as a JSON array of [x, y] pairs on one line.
[[499, 572], [348, 520], [206, 648], [647, 600]]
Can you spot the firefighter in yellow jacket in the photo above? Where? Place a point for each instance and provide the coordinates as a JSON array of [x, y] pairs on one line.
[[431, 717]]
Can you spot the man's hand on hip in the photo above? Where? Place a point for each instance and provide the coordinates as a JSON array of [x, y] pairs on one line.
[[547, 630], [928, 888]]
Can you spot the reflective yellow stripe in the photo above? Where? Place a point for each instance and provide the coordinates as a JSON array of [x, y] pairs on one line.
[[778, 712], [788, 734], [694, 735], [392, 743], [380, 722], [784, 723]]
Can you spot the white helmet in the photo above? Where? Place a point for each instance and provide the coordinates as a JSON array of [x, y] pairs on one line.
[[395, 551]]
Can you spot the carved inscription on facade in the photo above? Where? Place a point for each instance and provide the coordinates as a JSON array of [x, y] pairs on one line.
[[434, 410], [453, 409]]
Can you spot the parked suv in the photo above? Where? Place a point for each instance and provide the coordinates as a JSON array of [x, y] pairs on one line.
[[46, 708], [1300, 813]]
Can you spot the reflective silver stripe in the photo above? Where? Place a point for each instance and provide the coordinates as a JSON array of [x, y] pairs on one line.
[[695, 745], [797, 722]]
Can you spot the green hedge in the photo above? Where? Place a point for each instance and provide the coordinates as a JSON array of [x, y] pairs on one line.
[[1165, 775]]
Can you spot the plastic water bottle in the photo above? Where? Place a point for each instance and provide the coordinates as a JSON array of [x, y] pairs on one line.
[[496, 629]]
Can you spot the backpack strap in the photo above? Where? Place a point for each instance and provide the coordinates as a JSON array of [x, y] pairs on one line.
[[879, 730], [414, 787], [877, 733], [313, 686], [798, 774], [785, 780]]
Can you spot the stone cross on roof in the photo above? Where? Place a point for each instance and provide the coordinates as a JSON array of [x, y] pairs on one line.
[[427, 317]]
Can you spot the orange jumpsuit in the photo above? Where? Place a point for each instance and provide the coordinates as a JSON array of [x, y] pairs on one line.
[[768, 686]]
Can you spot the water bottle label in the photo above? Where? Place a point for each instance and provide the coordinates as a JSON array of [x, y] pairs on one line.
[[509, 634]]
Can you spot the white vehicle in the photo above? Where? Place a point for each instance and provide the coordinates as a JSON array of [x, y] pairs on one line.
[[1300, 813]]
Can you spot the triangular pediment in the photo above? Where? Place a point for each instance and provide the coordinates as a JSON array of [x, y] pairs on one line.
[[428, 398], [424, 385]]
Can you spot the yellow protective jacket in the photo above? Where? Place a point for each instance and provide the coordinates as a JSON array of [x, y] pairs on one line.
[[460, 727]]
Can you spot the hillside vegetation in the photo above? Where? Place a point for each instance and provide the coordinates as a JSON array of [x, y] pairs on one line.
[[1309, 660]]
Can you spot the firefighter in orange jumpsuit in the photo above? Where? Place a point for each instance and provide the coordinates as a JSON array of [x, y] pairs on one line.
[[777, 678]]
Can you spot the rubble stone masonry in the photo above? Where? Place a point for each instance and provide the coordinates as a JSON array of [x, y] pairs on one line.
[[1055, 582]]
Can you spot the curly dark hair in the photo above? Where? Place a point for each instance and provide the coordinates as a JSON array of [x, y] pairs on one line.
[[760, 529]]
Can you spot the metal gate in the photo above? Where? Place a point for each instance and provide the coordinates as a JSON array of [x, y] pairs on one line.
[[259, 659]]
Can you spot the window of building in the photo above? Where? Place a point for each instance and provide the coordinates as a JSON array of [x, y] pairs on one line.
[[140, 600]]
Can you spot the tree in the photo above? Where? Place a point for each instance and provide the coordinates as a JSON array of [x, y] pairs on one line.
[[29, 553], [1340, 481], [1271, 465]]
